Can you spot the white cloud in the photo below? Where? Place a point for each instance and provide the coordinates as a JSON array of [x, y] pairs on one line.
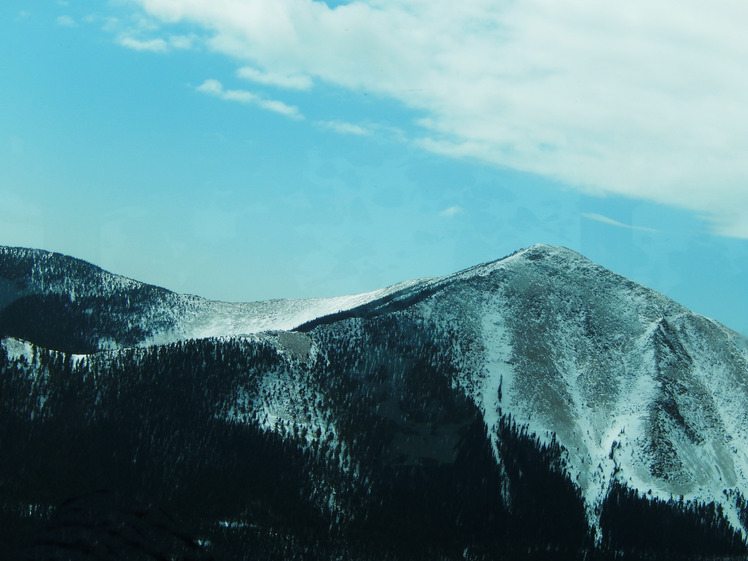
[[451, 211], [644, 98], [158, 45], [211, 87], [279, 79], [152, 45], [344, 128], [216, 89], [108, 24], [606, 220], [280, 107], [183, 42], [66, 21]]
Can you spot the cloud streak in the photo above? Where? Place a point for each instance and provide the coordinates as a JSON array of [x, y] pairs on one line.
[[157, 45], [149, 45], [344, 128], [66, 21], [451, 211], [216, 89], [642, 99], [278, 79], [606, 220]]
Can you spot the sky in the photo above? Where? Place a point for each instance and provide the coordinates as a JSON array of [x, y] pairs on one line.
[[254, 149]]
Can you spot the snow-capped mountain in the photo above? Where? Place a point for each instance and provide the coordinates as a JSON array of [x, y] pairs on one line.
[[539, 406], [68, 304]]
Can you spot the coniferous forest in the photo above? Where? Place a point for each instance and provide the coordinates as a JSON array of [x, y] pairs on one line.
[[356, 436], [161, 453]]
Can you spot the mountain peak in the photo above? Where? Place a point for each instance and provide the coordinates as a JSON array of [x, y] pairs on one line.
[[538, 371], [35, 284]]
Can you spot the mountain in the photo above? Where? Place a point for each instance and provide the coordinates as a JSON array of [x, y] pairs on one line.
[[535, 407], [67, 304]]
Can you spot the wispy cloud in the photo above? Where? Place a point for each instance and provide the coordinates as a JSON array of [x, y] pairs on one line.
[[66, 21], [184, 42], [108, 24], [344, 128], [643, 98], [151, 45], [216, 89], [279, 79], [158, 45], [606, 220], [451, 211]]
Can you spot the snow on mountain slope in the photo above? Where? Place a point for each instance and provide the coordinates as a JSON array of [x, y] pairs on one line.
[[635, 386], [141, 314], [632, 384], [200, 318]]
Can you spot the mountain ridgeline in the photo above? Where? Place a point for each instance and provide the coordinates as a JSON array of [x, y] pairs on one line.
[[535, 407]]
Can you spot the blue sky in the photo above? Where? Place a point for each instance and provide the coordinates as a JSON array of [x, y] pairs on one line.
[[254, 149]]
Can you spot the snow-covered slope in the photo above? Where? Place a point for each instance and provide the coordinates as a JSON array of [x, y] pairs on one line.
[[636, 389], [632, 384], [200, 318], [36, 284]]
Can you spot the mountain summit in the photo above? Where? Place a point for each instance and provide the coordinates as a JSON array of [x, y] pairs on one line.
[[538, 407]]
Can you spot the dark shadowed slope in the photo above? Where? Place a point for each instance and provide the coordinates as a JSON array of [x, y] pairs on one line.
[[536, 407]]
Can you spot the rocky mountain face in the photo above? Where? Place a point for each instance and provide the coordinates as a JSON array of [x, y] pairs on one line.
[[536, 407]]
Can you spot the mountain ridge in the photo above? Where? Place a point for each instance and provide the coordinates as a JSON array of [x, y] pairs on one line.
[[266, 311], [169, 316], [618, 397]]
